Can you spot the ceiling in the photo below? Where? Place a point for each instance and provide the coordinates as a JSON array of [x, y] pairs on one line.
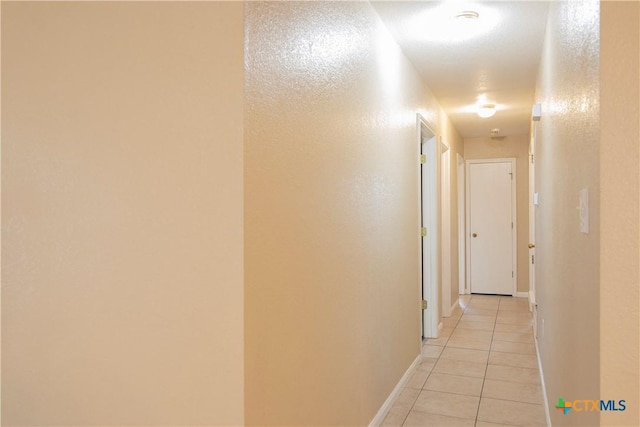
[[492, 59]]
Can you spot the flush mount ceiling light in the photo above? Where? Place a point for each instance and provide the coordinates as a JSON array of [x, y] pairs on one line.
[[448, 22], [486, 110], [467, 14]]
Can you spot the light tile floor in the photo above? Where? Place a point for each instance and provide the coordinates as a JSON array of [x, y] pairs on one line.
[[481, 371]]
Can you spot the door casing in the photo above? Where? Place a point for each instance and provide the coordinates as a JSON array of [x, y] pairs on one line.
[[462, 244], [532, 229]]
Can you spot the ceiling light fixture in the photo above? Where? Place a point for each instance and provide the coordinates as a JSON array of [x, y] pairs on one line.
[[467, 14], [449, 22], [486, 110]]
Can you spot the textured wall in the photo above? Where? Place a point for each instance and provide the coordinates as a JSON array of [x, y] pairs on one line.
[[122, 214], [620, 186], [516, 146], [331, 219], [567, 153]]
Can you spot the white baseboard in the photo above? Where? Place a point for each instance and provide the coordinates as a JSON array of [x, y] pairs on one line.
[[454, 305], [388, 404], [522, 294], [532, 300], [440, 327], [543, 385]]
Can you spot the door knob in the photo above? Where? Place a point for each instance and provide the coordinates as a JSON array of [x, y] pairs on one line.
[[531, 246], [474, 235]]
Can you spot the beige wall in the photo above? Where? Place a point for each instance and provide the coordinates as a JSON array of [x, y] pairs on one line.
[[567, 160], [619, 186], [513, 146], [122, 214], [331, 197]]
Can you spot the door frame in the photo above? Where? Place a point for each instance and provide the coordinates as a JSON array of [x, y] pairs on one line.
[[514, 232], [429, 214], [462, 243], [532, 228]]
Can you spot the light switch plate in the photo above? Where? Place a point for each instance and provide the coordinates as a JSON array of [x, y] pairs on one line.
[[583, 208]]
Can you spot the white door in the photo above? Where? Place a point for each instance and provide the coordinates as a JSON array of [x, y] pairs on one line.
[[491, 226]]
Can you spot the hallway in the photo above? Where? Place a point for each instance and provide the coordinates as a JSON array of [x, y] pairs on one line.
[[481, 371], [211, 214]]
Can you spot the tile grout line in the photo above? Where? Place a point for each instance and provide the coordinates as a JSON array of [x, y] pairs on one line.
[[486, 368]]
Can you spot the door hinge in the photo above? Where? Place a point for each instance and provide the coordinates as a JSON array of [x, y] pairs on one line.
[[533, 259], [423, 231], [423, 159], [512, 274], [424, 304], [512, 225], [532, 158]]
